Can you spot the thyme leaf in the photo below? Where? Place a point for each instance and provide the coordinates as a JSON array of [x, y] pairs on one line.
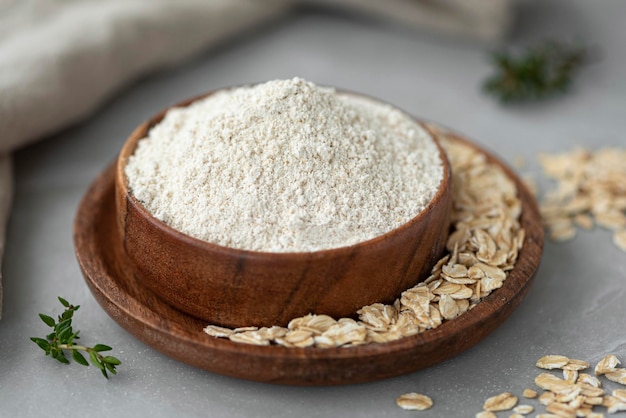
[[60, 342], [538, 72]]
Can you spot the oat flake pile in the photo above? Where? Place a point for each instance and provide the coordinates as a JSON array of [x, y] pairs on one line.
[[285, 166]]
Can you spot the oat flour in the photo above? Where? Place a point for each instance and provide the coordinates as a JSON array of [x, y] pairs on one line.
[[285, 166]]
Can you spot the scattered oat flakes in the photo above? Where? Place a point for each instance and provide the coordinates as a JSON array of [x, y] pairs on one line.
[[576, 365], [589, 379], [570, 375], [565, 398], [529, 393], [574, 396], [593, 400], [561, 410], [569, 395], [547, 398], [552, 383], [562, 232], [589, 190], [620, 394], [614, 220], [524, 409], [584, 221], [617, 375], [501, 402], [552, 362], [614, 404], [414, 401], [590, 391], [608, 401], [608, 363]]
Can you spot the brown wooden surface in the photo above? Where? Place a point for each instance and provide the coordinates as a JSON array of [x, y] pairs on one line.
[[114, 285], [239, 288]]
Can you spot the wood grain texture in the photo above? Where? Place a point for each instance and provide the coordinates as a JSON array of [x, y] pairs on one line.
[[114, 284], [238, 288]]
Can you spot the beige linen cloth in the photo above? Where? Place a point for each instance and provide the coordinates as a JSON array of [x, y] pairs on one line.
[[60, 59]]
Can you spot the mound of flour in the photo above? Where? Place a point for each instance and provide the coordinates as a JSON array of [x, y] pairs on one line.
[[285, 166]]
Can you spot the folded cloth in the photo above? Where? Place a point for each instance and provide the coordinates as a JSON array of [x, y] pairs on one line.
[[60, 65], [482, 20], [60, 59]]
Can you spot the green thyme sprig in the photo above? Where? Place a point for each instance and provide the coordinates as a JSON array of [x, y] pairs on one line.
[[61, 340], [537, 73]]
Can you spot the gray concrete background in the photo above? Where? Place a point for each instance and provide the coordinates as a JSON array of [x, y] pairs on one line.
[[576, 306]]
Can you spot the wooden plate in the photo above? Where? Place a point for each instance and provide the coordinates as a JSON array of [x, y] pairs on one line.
[[112, 282]]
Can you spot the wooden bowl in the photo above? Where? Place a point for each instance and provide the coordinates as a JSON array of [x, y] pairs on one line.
[[114, 284], [235, 288]]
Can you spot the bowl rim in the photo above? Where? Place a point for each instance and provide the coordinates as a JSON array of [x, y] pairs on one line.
[[443, 189]]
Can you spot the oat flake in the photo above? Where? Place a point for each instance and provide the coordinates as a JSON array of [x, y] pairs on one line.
[[414, 401]]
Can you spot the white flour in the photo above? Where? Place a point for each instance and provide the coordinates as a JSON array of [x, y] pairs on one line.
[[285, 166]]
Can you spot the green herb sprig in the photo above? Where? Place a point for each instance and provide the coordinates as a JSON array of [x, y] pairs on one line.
[[537, 73], [61, 340]]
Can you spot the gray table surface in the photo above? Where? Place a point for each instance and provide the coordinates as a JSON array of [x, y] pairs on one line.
[[576, 306]]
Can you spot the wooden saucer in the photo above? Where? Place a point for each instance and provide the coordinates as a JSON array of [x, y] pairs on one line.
[[113, 283]]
